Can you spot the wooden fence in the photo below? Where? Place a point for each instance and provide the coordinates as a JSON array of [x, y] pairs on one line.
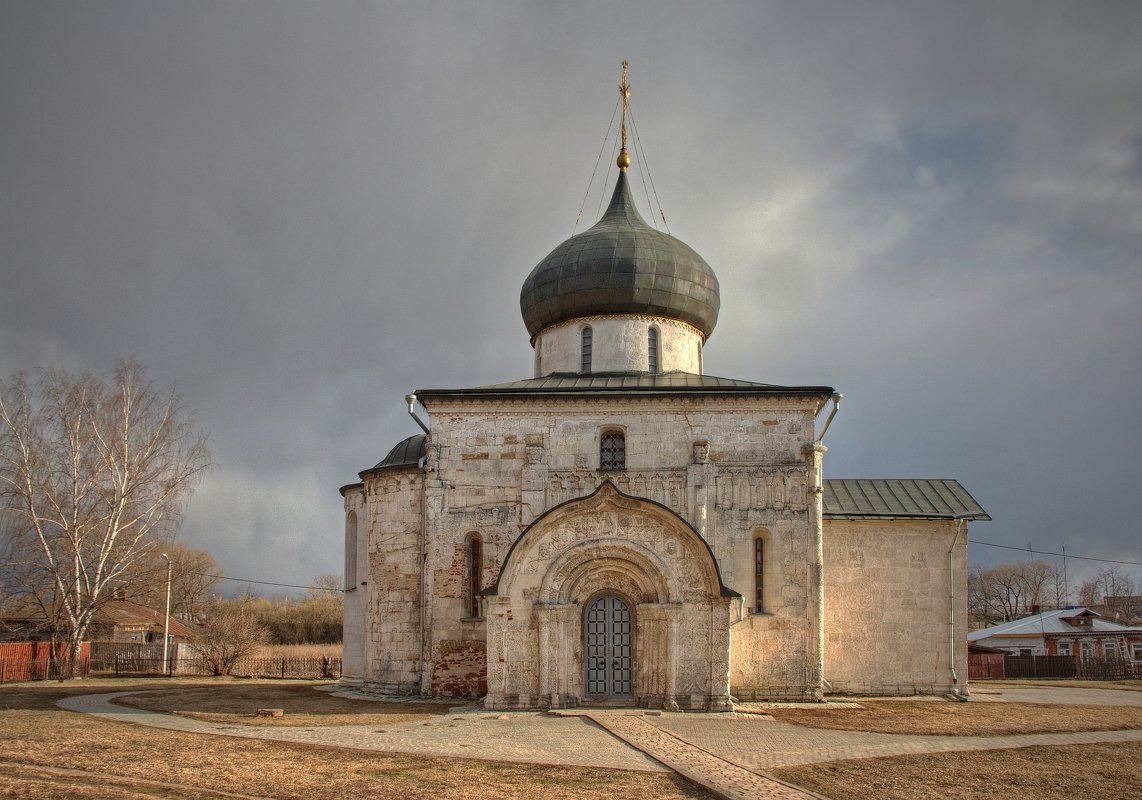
[[1115, 667], [29, 661], [32, 661]]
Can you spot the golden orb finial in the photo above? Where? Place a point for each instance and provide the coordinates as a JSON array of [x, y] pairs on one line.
[[623, 161]]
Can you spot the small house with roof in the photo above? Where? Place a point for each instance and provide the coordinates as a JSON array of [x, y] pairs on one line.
[[622, 527], [1075, 631]]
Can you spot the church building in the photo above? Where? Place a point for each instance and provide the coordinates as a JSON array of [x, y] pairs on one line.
[[622, 528]]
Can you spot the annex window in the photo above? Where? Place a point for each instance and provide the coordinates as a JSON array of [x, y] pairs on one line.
[[759, 575], [652, 350], [351, 550], [613, 450], [585, 349], [474, 561]]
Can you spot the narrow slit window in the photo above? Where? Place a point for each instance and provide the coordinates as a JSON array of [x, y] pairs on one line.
[[652, 350], [351, 550], [585, 351], [759, 575], [613, 451], [475, 574]]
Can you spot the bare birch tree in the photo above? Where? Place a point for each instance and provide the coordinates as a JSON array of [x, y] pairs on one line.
[[92, 473]]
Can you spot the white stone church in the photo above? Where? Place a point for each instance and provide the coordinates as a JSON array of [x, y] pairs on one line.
[[622, 528]]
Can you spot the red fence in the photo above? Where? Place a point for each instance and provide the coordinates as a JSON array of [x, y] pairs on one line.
[[32, 661], [985, 665]]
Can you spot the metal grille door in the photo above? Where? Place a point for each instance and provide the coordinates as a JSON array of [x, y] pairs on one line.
[[608, 647]]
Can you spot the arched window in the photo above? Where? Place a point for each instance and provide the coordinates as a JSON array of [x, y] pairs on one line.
[[613, 450], [474, 577], [351, 550], [759, 574], [585, 350], [652, 350]]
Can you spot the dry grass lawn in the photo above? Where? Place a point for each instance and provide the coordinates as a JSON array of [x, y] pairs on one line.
[[949, 718], [991, 686], [303, 705], [1093, 772], [46, 752]]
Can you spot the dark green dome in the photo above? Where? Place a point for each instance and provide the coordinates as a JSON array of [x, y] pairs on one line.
[[621, 266]]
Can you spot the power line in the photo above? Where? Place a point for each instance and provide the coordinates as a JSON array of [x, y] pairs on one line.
[[262, 583], [1048, 553]]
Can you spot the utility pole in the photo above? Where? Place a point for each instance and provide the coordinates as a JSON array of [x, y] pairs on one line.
[[167, 617]]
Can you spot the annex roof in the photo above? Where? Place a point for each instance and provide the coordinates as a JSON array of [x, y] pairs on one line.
[[911, 497], [641, 383]]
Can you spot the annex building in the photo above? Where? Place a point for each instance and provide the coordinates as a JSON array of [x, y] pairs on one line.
[[623, 528]]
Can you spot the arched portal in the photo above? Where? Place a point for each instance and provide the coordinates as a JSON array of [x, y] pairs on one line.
[[594, 600]]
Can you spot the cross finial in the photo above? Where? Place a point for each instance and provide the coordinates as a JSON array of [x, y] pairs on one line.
[[624, 90]]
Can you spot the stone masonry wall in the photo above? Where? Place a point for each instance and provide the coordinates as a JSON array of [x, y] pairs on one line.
[[729, 466], [887, 605], [393, 617]]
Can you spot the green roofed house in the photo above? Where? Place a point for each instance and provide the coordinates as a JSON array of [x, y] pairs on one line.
[[623, 528]]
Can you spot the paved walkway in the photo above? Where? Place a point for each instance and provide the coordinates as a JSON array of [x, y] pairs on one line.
[[726, 753]]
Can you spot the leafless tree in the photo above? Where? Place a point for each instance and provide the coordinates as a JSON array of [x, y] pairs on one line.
[[1009, 591], [194, 575], [230, 633], [91, 474], [1113, 582]]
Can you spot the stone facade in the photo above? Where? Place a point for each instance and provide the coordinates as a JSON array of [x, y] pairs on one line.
[[622, 528], [674, 534]]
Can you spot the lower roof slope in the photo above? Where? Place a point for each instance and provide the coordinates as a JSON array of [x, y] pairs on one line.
[[910, 497]]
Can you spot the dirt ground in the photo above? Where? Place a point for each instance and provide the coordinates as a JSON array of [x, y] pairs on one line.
[[303, 705], [1093, 772], [949, 718], [46, 752]]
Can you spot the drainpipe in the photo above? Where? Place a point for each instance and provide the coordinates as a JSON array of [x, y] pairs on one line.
[[836, 407], [410, 398], [421, 637], [741, 610], [962, 693]]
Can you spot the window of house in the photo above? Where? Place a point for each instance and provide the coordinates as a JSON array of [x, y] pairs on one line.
[[1109, 649], [759, 575], [1064, 648], [351, 550], [1024, 651], [1137, 647], [474, 577], [585, 350], [652, 351], [1086, 649], [612, 450]]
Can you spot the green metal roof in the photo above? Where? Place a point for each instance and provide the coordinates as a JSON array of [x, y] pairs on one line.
[[914, 497], [641, 383]]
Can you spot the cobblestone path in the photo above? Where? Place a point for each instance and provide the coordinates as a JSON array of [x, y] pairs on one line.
[[722, 778]]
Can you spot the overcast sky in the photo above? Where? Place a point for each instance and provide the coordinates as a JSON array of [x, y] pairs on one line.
[[301, 211]]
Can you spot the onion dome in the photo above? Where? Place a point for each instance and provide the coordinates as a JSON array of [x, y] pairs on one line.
[[621, 266], [406, 453]]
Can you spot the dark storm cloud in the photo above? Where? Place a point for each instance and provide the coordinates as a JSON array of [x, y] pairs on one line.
[[302, 212]]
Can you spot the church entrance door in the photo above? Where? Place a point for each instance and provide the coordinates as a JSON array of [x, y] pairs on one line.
[[607, 634]]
